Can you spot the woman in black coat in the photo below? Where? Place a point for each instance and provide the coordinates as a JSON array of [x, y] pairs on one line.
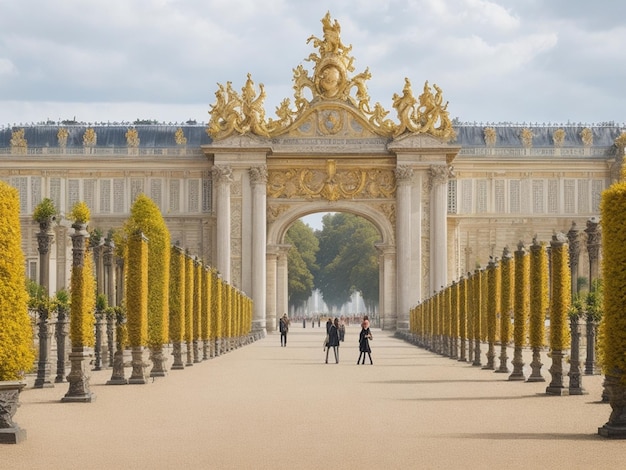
[[364, 341], [333, 340]]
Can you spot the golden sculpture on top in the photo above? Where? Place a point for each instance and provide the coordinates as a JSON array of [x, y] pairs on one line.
[[331, 86]]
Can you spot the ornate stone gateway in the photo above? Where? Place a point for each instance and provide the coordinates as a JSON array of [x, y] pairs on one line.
[[331, 151]]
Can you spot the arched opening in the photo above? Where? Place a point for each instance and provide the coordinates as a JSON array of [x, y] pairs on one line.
[[278, 294], [333, 267]]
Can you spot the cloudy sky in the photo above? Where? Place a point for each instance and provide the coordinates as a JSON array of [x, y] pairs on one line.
[[496, 60]]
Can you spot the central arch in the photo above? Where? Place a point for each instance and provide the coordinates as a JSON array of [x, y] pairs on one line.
[[277, 299]]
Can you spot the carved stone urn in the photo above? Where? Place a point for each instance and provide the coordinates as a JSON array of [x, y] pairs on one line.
[[10, 432]]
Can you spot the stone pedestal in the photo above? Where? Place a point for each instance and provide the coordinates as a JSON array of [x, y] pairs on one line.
[[99, 336], [616, 426], [556, 387], [158, 362], [518, 365], [118, 377], [575, 377], [138, 374], [10, 432], [536, 366], [178, 356], [78, 377], [504, 359]]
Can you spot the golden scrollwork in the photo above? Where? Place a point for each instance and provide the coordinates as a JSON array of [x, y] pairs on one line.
[[331, 85], [132, 138], [233, 112], [331, 183], [18, 141], [90, 137]]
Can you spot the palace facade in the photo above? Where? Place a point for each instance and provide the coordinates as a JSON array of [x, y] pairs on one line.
[[445, 196]]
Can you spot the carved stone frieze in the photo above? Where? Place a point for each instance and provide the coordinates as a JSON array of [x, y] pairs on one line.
[[331, 183]]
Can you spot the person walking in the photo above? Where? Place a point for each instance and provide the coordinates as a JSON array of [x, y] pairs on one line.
[[364, 341], [283, 325], [333, 340]]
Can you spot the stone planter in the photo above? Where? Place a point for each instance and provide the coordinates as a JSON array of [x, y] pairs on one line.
[[10, 432]]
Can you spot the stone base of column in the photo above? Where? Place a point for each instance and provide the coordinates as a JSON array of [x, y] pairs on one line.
[[78, 378], [189, 354], [477, 360], [118, 375], [44, 375], [138, 375], [504, 360], [490, 358], [158, 362], [612, 432], [556, 387], [178, 356], [196, 351], [518, 365], [536, 365]]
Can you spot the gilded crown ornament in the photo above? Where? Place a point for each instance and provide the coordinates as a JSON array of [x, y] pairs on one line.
[[335, 92]]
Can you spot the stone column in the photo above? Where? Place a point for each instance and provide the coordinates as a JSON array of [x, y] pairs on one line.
[[78, 378], [594, 239], [61, 334], [282, 280], [438, 226], [258, 180], [44, 240], [270, 302], [575, 382], [224, 178], [387, 294], [404, 178], [573, 238], [109, 285]]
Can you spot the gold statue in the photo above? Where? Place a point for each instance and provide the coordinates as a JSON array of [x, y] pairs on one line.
[[330, 85]]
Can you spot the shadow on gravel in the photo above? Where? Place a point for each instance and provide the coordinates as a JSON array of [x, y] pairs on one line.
[[540, 436]]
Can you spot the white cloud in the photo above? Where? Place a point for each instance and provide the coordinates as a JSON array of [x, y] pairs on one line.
[[145, 53]]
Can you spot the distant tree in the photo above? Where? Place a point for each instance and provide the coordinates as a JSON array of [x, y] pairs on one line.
[[348, 260], [301, 262]]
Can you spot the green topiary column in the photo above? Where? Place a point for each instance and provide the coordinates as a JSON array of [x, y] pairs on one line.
[[16, 352], [146, 217], [560, 300], [177, 305], [612, 340], [493, 295], [520, 310], [82, 308], [538, 305], [137, 301], [507, 280]]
